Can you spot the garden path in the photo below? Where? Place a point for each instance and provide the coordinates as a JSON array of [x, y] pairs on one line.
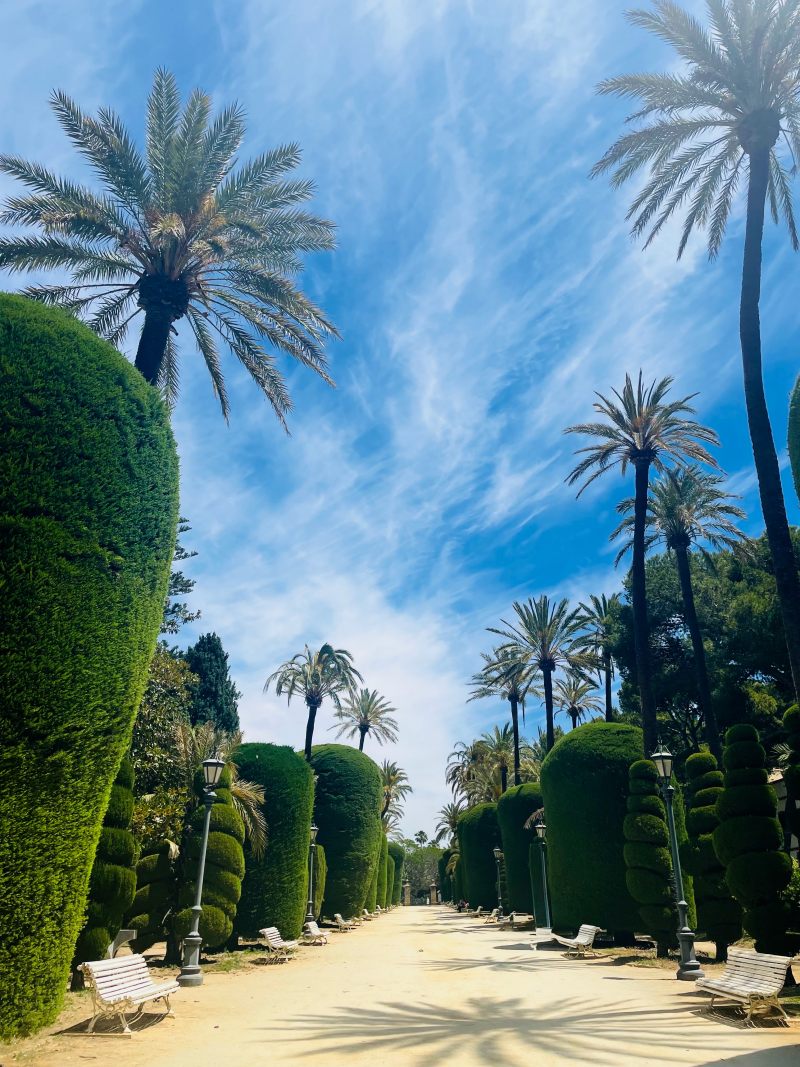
[[423, 987]]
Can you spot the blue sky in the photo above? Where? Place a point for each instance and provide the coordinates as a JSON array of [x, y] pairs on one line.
[[484, 287]]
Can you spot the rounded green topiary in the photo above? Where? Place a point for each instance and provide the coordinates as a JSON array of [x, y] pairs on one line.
[[648, 873], [371, 898], [585, 787], [380, 891], [478, 835], [514, 808], [748, 843], [275, 886], [88, 511], [398, 854], [156, 895], [320, 877], [348, 799], [387, 900]]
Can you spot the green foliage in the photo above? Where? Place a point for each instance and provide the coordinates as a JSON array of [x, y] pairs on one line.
[[275, 887], [397, 852], [371, 898], [380, 889], [459, 889], [348, 798], [164, 704], [478, 835], [514, 807], [387, 900], [585, 788], [791, 773], [749, 844], [88, 509], [214, 697], [445, 881], [421, 865], [320, 878], [648, 873]]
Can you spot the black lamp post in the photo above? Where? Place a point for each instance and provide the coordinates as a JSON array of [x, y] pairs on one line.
[[498, 855], [191, 974], [541, 833], [312, 849], [689, 970]]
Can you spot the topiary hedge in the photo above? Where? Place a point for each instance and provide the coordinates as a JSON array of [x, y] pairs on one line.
[[156, 895], [479, 834], [648, 863], [719, 916], [348, 798], [112, 883], [275, 886], [585, 789], [387, 900], [459, 889], [514, 807], [748, 840], [88, 513], [380, 892], [320, 877], [398, 854], [371, 898], [791, 774]]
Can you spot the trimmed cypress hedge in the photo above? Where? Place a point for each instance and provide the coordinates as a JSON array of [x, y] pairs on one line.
[[648, 863], [748, 841], [112, 883], [719, 916], [371, 898], [479, 834], [88, 513], [275, 887], [380, 892], [387, 900], [459, 889], [585, 789], [791, 775], [398, 854], [348, 798], [320, 877], [445, 882], [513, 809]]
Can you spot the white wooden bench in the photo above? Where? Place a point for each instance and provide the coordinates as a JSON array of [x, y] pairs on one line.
[[123, 984], [312, 935], [341, 924], [754, 979], [278, 950], [493, 916], [582, 944]]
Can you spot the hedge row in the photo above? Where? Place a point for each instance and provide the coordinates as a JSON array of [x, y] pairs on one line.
[[478, 835], [514, 807], [371, 898], [397, 852], [380, 892], [387, 900], [320, 878]]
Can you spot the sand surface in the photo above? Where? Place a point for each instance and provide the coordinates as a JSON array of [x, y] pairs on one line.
[[423, 987]]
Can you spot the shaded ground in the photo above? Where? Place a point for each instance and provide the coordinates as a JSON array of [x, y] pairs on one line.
[[418, 988]]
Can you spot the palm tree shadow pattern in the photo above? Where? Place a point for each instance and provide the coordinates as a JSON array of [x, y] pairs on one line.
[[510, 1030]]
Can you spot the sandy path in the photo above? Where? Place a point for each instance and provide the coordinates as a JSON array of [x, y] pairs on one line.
[[423, 987]]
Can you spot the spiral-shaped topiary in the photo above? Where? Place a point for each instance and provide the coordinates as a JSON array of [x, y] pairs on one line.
[[648, 864], [478, 835], [514, 807], [748, 840], [791, 774], [719, 916], [88, 513], [156, 895], [398, 854]]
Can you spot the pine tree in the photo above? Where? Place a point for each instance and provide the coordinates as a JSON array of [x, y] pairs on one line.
[[215, 697]]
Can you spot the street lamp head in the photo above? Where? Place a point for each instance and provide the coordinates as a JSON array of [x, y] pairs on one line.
[[314, 831], [541, 830], [498, 854], [212, 772], [663, 761]]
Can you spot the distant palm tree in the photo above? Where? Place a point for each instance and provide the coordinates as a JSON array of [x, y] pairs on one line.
[[366, 712], [396, 788], [546, 635], [573, 695], [177, 232], [448, 823], [538, 747], [689, 507], [314, 676], [641, 429], [597, 620], [498, 752], [462, 764], [506, 674], [708, 129]]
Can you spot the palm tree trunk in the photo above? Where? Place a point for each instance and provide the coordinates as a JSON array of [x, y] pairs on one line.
[[515, 727], [362, 738], [766, 459], [313, 708], [700, 666], [639, 600], [574, 718], [547, 675], [607, 671], [152, 345], [503, 778]]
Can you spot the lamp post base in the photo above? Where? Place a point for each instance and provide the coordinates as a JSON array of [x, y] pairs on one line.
[[191, 972], [689, 970]]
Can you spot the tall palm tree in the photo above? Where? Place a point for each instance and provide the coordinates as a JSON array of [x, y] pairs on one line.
[[447, 824], [597, 616], [176, 232], [505, 674], [547, 636], [499, 752], [396, 788], [689, 507], [462, 765], [573, 695], [366, 712], [644, 430], [314, 676], [710, 128]]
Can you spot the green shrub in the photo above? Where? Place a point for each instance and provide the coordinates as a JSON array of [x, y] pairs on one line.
[[156, 896], [514, 807], [88, 511], [585, 788], [380, 892], [320, 877], [398, 854], [371, 898], [387, 900], [748, 844], [275, 886], [791, 774], [479, 834], [648, 874], [348, 799]]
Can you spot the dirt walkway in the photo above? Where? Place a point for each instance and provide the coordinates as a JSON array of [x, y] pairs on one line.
[[423, 987]]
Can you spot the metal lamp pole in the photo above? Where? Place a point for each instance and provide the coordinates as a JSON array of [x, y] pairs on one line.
[[498, 855], [312, 849], [191, 974], [541, 833], [689, 970]]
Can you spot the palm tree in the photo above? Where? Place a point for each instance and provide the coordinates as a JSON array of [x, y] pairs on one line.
[[538, 748], [447, 826], [689, 507], [499, 752], [315, 675], [573, 695], [706, 130], [547, 636], [366, 712], [597, 615], [463, 764], [641, 429], [396, 788], [505, 674], [177, 232]]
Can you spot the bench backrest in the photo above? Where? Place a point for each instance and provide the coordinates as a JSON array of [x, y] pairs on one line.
[[118, 976], [272, 936], [313, 928], [587, 934], [759, 969], [339, 919]]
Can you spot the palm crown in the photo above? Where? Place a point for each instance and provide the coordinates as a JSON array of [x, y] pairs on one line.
[[396, 788], [176, 232], [546, 634], [447, 824], [574, 695], [698, 127], [366, 712]]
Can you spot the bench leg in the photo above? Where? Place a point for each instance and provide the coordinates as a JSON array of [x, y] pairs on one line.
[[90, 1027], [125, 1028]]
